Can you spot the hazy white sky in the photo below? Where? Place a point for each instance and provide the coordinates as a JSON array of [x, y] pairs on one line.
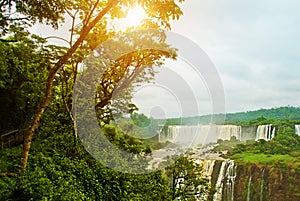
[[255, 46]]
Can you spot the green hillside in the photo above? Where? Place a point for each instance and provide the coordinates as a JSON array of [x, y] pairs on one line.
[[280, 113], [287, 112]]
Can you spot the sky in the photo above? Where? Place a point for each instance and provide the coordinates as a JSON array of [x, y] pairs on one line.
[[254, 46]]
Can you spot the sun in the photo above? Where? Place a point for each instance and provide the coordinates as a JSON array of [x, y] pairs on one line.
[[134, 16]]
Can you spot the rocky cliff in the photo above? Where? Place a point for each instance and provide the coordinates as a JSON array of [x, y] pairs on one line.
[[252, 182]]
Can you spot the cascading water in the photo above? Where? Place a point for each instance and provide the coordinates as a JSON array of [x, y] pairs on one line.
[[202, 134], [229, 185], [266, 132], [225, 132], [249, 189], [207, 170], [248, 133], [262, 185], [225, 183], [208, 167], [297, 129], [188, 134], [219, 183]]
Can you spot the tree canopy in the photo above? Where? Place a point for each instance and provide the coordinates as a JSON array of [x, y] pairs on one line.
[[34, 70], [38, 77]]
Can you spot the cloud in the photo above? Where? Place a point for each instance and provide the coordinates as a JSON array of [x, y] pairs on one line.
[[254, 45]]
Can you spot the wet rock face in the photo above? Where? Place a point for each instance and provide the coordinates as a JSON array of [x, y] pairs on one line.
[[255, 183], [267, 183]]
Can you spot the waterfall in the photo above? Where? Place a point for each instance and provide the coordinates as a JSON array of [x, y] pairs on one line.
[[248, 133], [266, 132], [219, 183], [202, 134], [225, 182], [249, 189], [208, 168], [297, 129], [207, 171], [273, 133], [230, 175], [225, 132], [262, 185], [188, 134]]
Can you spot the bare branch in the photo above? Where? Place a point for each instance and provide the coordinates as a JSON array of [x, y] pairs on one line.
[[7, 173], [57, 37], [16, 19], [92, 11], [73, 27], [7, 41]]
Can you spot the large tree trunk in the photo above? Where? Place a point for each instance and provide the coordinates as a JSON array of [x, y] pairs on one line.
[[28, 134]]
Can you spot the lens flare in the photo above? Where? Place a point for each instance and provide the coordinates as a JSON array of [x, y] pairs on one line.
[[134, 16]]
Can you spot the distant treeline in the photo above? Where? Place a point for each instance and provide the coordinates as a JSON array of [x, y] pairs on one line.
[[287, 112], [280, 113]]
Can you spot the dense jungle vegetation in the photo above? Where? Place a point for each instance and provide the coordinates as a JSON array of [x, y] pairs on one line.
[[37, 79]]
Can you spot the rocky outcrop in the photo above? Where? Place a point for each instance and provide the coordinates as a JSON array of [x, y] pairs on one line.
[[268, 183], [251, 182]]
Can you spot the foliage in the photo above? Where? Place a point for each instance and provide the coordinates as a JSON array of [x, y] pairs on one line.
[[285, 142], [279, 145], [283, 149], [91, 17], [140, 120], [124, 141], [29, 67], [23, 69], [256, 117], [53, 174], [125, 62], [279, 113], [26, 13], [186, 180], [170, 122], [227, 145], [261, 158]]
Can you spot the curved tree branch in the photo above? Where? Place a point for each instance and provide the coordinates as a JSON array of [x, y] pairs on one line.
[[57, 37]]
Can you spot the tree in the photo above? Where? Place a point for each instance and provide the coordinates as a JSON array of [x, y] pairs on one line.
[[186, 180], [133, 67], [93, 24], [26, 13], [49, 83], [140, 119], [23, 69]]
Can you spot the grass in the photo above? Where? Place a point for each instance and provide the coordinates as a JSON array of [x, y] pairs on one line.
[[264, 159]]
